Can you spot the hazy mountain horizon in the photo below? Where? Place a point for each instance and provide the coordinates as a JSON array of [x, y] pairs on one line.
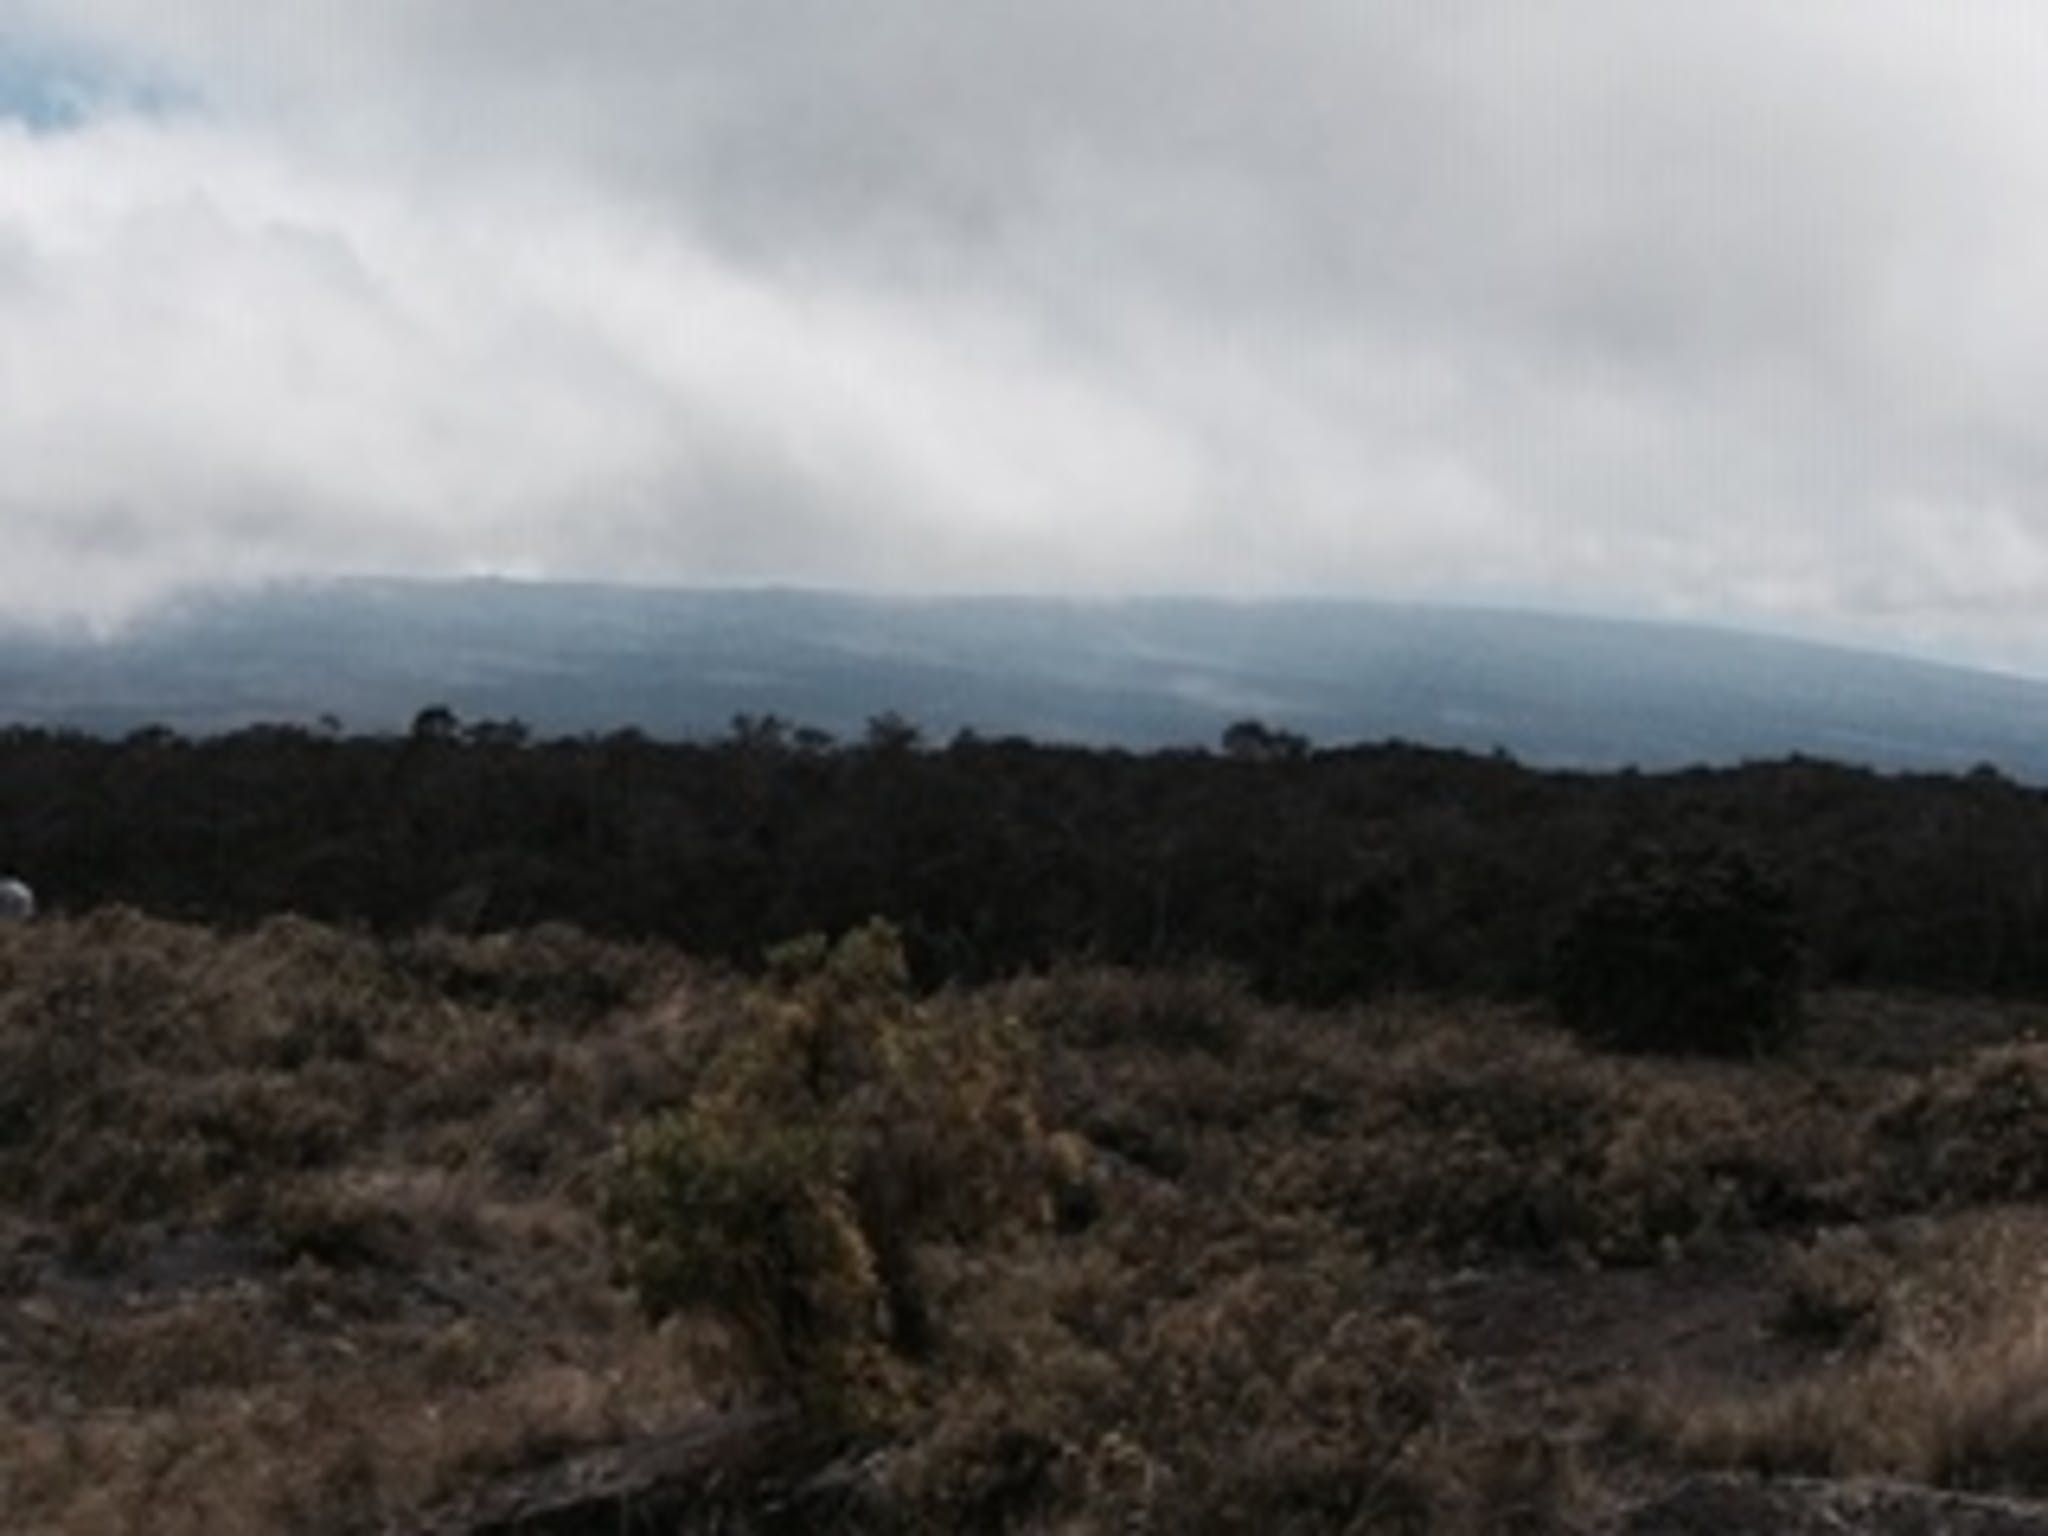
[[569, 657]]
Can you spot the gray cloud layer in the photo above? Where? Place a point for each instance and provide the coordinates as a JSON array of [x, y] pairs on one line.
[[1726, 310]]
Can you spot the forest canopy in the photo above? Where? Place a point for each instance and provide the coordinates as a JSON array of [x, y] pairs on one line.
[[1319, 874]]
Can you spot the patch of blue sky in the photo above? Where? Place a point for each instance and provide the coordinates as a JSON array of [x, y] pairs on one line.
[[51, 92]]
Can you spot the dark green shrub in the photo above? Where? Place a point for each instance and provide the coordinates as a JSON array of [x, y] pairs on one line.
[[1693, 952]]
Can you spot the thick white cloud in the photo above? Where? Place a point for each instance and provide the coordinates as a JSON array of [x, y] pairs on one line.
[[1726, 310]]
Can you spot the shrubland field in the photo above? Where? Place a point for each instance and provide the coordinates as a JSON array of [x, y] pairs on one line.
[[308, 1229]]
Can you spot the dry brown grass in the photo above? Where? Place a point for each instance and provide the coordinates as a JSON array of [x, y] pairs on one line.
[[366, 1442], [298, 1232], [1473, 1132], [1944, 1380]]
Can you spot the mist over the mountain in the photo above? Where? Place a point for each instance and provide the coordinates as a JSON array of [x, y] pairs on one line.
[[1726, 312], [567, 659]]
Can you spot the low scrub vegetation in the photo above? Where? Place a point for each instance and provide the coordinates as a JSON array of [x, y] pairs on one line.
[[303, 1229]]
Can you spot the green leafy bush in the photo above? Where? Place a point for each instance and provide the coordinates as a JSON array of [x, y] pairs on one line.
[[1693, 952], [843, 1128]]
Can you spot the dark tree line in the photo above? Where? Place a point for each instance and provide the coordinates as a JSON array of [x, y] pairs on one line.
[[1322, 874]]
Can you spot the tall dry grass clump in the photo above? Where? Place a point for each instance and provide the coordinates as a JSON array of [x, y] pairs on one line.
[[1941, 1377]]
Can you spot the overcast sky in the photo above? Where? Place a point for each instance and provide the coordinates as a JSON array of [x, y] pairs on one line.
[[1735, 311]]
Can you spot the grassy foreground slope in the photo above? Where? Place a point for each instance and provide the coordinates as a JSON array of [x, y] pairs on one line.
[[300, 1230]]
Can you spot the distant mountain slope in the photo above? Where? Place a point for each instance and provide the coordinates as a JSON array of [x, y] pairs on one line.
[[1145, 672]]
